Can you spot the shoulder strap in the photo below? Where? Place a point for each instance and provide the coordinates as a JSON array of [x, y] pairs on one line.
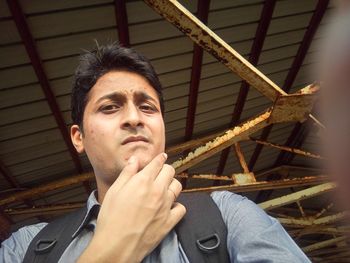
[[50, 243], [202, 232]]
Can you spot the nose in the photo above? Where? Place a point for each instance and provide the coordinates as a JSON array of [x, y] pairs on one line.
[[131, 117]]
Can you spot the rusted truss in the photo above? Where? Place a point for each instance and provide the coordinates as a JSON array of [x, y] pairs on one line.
[[294, 107]]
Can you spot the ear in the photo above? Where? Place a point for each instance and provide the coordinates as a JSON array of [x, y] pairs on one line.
[[76, 136]]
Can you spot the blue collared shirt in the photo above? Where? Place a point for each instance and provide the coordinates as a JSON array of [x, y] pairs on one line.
[[253, 236]]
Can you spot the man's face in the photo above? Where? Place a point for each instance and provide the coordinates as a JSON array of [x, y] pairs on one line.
[[122, 118]]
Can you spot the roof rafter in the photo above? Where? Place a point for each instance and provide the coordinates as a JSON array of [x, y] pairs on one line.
[[29, 43], [197, 58], [122, 22], [7, 175]]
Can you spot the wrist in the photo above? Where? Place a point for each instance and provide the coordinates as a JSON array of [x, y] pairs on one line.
[[120, 252]]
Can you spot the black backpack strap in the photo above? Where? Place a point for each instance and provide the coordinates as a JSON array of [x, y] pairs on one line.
[[202, 232], [50, 243]]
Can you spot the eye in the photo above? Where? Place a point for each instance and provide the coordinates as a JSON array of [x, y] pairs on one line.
[[148, 108], [110, 108]]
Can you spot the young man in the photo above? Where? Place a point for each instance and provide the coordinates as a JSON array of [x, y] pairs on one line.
[[117, 111]]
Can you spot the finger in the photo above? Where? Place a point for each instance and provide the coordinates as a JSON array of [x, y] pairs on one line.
[[154, 167], [130, 169], [165, 176], [174, 189], [177, 212]]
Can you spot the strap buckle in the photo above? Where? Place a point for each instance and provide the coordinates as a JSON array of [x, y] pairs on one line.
[[40, 249], [208, 248]]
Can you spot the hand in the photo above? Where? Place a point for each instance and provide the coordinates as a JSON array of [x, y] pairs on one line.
[[138, 210]]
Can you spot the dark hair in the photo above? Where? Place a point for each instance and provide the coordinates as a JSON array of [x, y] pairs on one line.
[[101, 60]]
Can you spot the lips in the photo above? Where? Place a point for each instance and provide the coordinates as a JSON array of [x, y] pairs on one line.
[[134, 139]]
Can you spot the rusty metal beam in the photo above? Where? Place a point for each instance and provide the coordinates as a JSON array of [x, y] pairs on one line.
[[240, 157], [254, 158], [204, 176], [37, 191], [29, 43], [181, 18], [318, 229], [324, 210], [178, 148], [263, 185], [297, 196], [255, 52], [298, 61], [312, 221], [323, 244], [291, 141], [288, 149], [44, 209], [230, 137], [298, 144], [122, 22]]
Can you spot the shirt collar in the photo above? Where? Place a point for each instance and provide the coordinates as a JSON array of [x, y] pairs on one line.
[[93, 208]]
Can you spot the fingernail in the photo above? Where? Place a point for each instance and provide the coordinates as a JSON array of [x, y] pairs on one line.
[[131, 160], [165, 156]]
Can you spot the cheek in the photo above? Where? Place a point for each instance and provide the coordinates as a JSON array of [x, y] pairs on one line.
[[158, 131], [95, 132]]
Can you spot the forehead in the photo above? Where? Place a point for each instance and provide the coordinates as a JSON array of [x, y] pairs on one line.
[[124, 82]]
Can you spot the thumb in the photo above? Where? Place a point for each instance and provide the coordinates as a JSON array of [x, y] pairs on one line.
[[130, 169]]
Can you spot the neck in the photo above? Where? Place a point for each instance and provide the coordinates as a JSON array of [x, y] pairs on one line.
[[102, 188]]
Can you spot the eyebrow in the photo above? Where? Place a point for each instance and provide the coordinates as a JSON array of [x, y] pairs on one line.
[[115, 96], [118, 96], [143, 96]]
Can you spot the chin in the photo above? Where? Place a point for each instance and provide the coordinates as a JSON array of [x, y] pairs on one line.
[[144, 159], [144, 156]]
